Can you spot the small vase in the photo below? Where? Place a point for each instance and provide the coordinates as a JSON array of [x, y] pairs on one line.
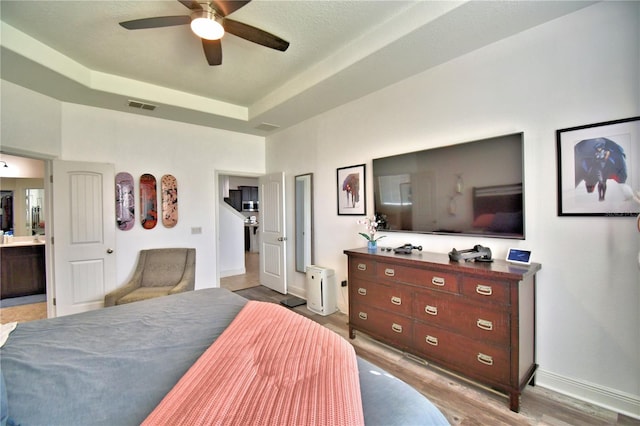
[[372, 246]]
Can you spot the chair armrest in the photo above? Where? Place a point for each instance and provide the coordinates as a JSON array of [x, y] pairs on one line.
[[135, 282], [188, 281], [111, 298], [184, 285]]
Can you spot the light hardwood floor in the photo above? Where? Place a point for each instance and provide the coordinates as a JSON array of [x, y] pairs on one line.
[[461, 402], [250, 279], [22, 313]]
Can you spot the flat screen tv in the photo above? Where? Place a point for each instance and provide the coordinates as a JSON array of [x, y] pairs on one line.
[[473, 188]]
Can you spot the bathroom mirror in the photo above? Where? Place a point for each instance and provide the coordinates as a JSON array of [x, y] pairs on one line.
[[304, 221], [6, 210], [22, 206], [35, 211]]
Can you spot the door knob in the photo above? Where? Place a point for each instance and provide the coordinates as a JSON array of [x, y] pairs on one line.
[[109, 251]]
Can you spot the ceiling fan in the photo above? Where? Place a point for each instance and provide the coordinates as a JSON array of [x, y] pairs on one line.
[[209, 22]]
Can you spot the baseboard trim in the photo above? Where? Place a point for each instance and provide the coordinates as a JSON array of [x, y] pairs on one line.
[[604, 397], [232, 272], [297, 291]]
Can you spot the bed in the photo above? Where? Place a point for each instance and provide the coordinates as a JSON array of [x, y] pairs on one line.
[[118, 365]]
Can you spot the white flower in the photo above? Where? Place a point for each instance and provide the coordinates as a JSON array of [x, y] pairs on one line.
[[371, 225]]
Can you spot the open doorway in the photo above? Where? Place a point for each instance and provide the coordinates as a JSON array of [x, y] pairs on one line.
[[23, 212], [251, 277], [239, 261]]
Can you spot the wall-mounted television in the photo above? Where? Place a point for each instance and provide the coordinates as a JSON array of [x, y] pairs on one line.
[[472, 188]]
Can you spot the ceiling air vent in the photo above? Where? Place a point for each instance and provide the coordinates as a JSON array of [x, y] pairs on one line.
[[141, 105], [267, 127]]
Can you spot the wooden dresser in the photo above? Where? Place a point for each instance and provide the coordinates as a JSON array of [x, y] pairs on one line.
[[475, 319]]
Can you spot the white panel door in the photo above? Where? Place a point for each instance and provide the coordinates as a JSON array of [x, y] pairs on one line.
[[273, 265], [83, 235]]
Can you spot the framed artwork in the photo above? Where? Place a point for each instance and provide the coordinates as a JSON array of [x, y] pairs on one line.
[[352, 190], [599, 168]]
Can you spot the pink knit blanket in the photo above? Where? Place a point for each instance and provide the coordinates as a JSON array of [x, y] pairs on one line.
[[271, 366]]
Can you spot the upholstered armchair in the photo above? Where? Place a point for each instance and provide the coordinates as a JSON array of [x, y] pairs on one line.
[[160, 272]]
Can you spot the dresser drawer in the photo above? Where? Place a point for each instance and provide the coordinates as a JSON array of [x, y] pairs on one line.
[[362, 268], [471, 357], [472, 320], [485, 290], [422, 277], [390, 327], [391, 298]]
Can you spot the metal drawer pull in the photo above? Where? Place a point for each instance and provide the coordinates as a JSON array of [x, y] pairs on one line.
[[431, 310], [484, 290], [484, 324], [439, 281], [397, 328], [485, 359], [362, 291], [396, 300], [362, 315], [390, 272], [362, 266], [433, 341]]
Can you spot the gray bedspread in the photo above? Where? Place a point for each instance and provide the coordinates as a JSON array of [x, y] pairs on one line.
[[113, 366]]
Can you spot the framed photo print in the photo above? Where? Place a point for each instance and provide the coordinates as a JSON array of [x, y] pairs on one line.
[[599, 168], [352, 190]]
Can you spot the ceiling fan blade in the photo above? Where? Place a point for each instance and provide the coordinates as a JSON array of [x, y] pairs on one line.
[[255, 35], [227, 7], [213, 51], [161, 21], [191, 4]]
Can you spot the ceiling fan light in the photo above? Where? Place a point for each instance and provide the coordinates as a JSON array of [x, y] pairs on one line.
[[204, 25]]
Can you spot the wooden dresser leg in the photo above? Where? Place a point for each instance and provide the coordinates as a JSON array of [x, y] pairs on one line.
[[514, 401], [352, 333]]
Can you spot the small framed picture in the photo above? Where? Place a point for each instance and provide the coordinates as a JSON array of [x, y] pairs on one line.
[[598, 168], [352, 190]]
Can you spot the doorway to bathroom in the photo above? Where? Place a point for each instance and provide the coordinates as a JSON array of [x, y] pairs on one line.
[[23, 236]]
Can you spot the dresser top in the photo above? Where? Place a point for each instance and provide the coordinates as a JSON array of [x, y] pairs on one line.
[[499, 268]]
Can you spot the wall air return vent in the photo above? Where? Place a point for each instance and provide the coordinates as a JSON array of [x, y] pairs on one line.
[[141, 105]]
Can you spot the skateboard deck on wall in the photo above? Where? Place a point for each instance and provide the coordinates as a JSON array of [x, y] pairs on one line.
[[148, 201], [169, 186], [125, 201]]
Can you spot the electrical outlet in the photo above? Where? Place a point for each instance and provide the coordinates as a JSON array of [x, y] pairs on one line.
[[196, 230], [344, 283]]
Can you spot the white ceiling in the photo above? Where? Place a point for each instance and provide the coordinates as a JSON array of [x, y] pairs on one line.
[[340, 50]]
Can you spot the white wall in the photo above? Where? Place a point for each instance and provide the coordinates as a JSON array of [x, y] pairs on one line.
[[31, 122], [145, 145], [580, 69], [138, 145]]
